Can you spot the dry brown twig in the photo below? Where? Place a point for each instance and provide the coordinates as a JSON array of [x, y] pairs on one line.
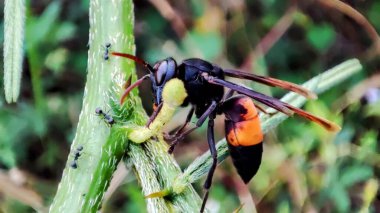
[[268, 41], [21, 193], [359, 18], [276, 32], [167, 11]]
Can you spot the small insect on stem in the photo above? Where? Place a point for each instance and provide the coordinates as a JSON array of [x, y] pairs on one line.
[[107, 51], [77, 154], [106, 117]]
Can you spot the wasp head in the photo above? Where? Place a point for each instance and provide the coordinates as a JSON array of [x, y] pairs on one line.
[[163, 71]]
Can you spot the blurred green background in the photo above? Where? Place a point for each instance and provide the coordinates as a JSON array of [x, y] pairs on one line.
[[304, 168]]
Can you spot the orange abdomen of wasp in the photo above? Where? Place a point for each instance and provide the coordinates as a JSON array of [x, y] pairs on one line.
[[242, 123], [243, 135]]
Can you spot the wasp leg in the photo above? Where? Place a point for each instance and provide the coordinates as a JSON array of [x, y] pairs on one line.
[[214, 154], [154, 115], [180, 130], [199, 123], [227, 95], [263, 110]]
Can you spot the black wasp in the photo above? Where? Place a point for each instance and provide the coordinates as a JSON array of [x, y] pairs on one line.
[[204, 83]]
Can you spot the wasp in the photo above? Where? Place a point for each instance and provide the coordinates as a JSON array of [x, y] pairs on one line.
[[204, 83]]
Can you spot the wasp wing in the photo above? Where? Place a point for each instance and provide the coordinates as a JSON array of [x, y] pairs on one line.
[[273, 82], [274, 103], [267, 100]]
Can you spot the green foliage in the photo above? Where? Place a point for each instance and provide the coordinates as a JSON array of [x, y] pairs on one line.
[[373, 13], [46, 23], [136, 200], [321, 37], [209, 45]]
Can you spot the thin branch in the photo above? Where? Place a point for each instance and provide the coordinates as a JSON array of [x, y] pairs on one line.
[[356, 16], [276, 32], [167, 11]]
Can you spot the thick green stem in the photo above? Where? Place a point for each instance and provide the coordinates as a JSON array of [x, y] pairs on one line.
[[83, 188], [14, 20]]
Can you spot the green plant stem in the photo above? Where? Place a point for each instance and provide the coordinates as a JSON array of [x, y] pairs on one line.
[[14, 20], [82, 189], [35, 71], [318, 84], [156, 171]]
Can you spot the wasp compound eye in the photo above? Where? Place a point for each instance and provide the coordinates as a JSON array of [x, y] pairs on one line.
[[164, 71], [160, 71]]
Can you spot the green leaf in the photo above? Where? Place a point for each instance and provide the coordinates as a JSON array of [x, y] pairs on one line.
[[372, 109], [340, 197], [65, 31], [369, 140], [373, 14], [321, 37], [56, 60], [38, 29], [207, 45], [7, 156], [355, 174], [137, 200]]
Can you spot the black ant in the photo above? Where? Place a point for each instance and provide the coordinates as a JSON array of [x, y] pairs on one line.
[[77, 154], [107, 118], [106, 52]]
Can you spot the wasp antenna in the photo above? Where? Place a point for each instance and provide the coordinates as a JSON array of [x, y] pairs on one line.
[[134, 58], [131, 87]]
